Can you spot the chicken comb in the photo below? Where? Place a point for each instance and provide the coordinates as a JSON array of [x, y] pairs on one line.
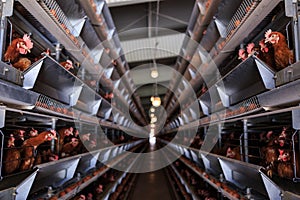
[[268, 33], [280, 151], [27, 40], [53, 132], [70, 62]]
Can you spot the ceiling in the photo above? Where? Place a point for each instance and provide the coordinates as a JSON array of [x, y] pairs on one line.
[[135, 21]]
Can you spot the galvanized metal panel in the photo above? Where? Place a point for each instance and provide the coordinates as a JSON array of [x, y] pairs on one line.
[[60, 172], [274, 192], [87, 162], [288, 74], [211, 163], [11, 74], [31, 74], [22, 190], [234, 172]]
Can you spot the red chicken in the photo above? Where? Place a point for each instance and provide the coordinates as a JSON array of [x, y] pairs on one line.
[[251, 50], [99, 189], [233, 153], [69, 148], [22, 64], [68, 64], [63, 133], [12, 157], [19, 137], [266, 53], [270, 154], [285, 165], [242, 54], [31, 144], [282, 54], [89, 196], [19, 46]]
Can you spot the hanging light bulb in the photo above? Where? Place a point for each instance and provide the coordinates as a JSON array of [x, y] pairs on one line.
[[152, 98], [152, 125], [154, 73], [156, 101], [153, 119], [152, 131], [152, 109]]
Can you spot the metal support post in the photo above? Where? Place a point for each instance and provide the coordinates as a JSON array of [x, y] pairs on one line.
[[220, 135], [246, 150], [53, 127]]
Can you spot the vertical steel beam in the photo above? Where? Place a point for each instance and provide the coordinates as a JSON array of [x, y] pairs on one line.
[[246, 150], [292, 10], [220, 135], [53, 127]]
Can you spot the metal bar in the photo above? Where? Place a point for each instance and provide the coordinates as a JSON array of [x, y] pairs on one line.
[[246, 152], [295, 179], [1, 154], [57, 51], [2, 116], [53, 127], [149, 20], [241, 147], [220, 135], [3, 30], [296, 31]]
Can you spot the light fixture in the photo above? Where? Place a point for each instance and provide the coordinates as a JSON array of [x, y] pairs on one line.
[[156, 101], [152, 140], [153, 119], [152, 109], [152, 115], [152, 98], [151, 131], [154, 73], [152, 125], [151, 134]]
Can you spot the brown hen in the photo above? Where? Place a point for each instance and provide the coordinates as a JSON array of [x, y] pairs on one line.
[[31, 144], [282, 54]]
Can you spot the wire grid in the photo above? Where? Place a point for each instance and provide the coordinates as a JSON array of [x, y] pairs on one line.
[[53, 9], [239, 109], [241, 15], [50, 104]]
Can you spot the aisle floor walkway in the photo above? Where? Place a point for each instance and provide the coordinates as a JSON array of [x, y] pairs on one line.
[[152, 186]]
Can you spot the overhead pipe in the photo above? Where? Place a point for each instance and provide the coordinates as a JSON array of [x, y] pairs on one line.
[[196, 36], [119, 65], [181, 70]]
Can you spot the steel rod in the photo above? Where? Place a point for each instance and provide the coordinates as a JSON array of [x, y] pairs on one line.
[[246, 150]]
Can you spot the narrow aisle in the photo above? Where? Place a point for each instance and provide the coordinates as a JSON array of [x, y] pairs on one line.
[[152, 186]]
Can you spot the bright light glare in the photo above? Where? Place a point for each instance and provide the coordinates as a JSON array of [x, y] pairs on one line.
[[154, 73], [152, 140]]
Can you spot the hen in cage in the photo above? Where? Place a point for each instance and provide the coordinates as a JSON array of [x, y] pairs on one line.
[[282, 54], [30, 145], [12, 156], [18, 47]]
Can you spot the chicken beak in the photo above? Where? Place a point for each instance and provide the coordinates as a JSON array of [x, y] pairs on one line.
[[25, 47]]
